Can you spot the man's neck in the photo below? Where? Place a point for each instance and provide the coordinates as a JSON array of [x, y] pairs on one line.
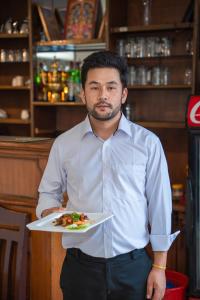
[[104, 129]]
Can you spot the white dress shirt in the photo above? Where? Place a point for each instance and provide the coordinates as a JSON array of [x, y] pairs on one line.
[[126, 175]]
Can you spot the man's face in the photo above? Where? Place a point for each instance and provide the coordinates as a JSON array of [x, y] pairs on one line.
[[103, 93]]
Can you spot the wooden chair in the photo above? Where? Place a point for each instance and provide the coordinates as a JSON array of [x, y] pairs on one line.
[[13, 254]]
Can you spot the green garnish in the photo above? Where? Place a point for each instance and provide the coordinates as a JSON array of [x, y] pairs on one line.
[[75, 217], [78, 227]]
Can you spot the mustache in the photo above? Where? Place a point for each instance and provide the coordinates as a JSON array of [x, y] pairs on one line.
[[103, 102]]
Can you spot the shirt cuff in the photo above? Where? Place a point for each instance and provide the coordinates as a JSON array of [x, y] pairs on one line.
[[42, 205], [162, 242]]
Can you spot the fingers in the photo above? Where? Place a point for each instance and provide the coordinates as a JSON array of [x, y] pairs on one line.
[[149, 290], [48, 211], [157, 295], [62, 209], [154, 293]]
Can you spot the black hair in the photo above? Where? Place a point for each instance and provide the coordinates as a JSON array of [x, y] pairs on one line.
[[105, 59]]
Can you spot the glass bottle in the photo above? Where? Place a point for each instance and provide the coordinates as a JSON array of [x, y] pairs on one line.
[[156, 75], [121, 47], [165, 76], [77, 82], [147, 11], [71, 85], [132, 78], [142, 75], [188, 76], [177, 192], [128, 111], [38, 84], [25, 55]]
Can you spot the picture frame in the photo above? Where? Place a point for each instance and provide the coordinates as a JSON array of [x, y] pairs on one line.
[[60, 14], [49, 23], [81, 16], [102, 28]]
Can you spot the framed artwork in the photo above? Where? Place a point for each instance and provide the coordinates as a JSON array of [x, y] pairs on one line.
[[60, 14], [81, 16], [102, 28], [49, 23]]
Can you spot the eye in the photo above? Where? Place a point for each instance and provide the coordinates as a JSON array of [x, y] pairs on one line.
[[111, 88], [94, 88]]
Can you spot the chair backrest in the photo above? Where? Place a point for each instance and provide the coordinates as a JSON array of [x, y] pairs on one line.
[[13, 254]]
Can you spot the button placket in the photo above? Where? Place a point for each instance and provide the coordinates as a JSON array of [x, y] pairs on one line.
[[106, 196]]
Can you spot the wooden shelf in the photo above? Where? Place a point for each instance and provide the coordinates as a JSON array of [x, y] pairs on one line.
[[158, 59], [15, 88], [13, 36], [159, 87], [69, 42], [14, 62], [160, 27], [37, 103], [161, 124], [44, 132], [14, 121]]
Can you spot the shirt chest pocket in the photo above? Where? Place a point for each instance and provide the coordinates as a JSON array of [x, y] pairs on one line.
[[129, 173]]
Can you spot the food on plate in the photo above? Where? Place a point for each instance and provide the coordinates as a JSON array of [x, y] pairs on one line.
[[72, 221]]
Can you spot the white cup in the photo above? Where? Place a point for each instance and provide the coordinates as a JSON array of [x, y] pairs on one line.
[[24, 114], [18, 81]]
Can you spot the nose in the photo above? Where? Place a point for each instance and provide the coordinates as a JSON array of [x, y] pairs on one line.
[[103, 95]]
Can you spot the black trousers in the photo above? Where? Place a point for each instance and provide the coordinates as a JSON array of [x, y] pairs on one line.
[[84, 277]]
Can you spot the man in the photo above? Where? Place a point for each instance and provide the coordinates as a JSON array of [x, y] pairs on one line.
[[109, 164]]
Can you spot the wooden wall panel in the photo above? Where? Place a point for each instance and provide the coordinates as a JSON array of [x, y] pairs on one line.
[[20, 176]]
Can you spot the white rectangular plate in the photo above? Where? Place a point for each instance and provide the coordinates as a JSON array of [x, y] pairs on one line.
[[45, 224]]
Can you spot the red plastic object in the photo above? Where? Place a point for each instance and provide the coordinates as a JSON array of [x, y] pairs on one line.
[[180, 281]]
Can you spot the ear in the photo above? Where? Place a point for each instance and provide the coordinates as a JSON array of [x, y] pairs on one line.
[[124, 95], [82, 96]]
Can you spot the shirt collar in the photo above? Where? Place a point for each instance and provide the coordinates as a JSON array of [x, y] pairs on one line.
[[86, 128], [124, 126]]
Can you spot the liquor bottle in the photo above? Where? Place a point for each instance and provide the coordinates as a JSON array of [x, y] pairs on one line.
[[38, 83], [44, 79], [64, 94], [77, 81], [71, 82], [54, 82]]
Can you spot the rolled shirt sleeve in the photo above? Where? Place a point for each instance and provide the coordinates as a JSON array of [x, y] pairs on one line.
[[162, 242], [53, 183], [158, 192]]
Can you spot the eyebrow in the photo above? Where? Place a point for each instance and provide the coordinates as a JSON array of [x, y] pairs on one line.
[[109, 82]]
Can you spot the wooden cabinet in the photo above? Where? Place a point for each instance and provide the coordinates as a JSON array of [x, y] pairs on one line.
[[15, 60], [160, 107], [21, 167], [45, 118]]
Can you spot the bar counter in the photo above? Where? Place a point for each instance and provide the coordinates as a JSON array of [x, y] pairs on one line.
[[22, 161]]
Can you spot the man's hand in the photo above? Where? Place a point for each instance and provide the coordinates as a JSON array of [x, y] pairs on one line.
[[156, 284], [51, 210]]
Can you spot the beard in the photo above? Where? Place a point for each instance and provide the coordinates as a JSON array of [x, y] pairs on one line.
[[104, 116]]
